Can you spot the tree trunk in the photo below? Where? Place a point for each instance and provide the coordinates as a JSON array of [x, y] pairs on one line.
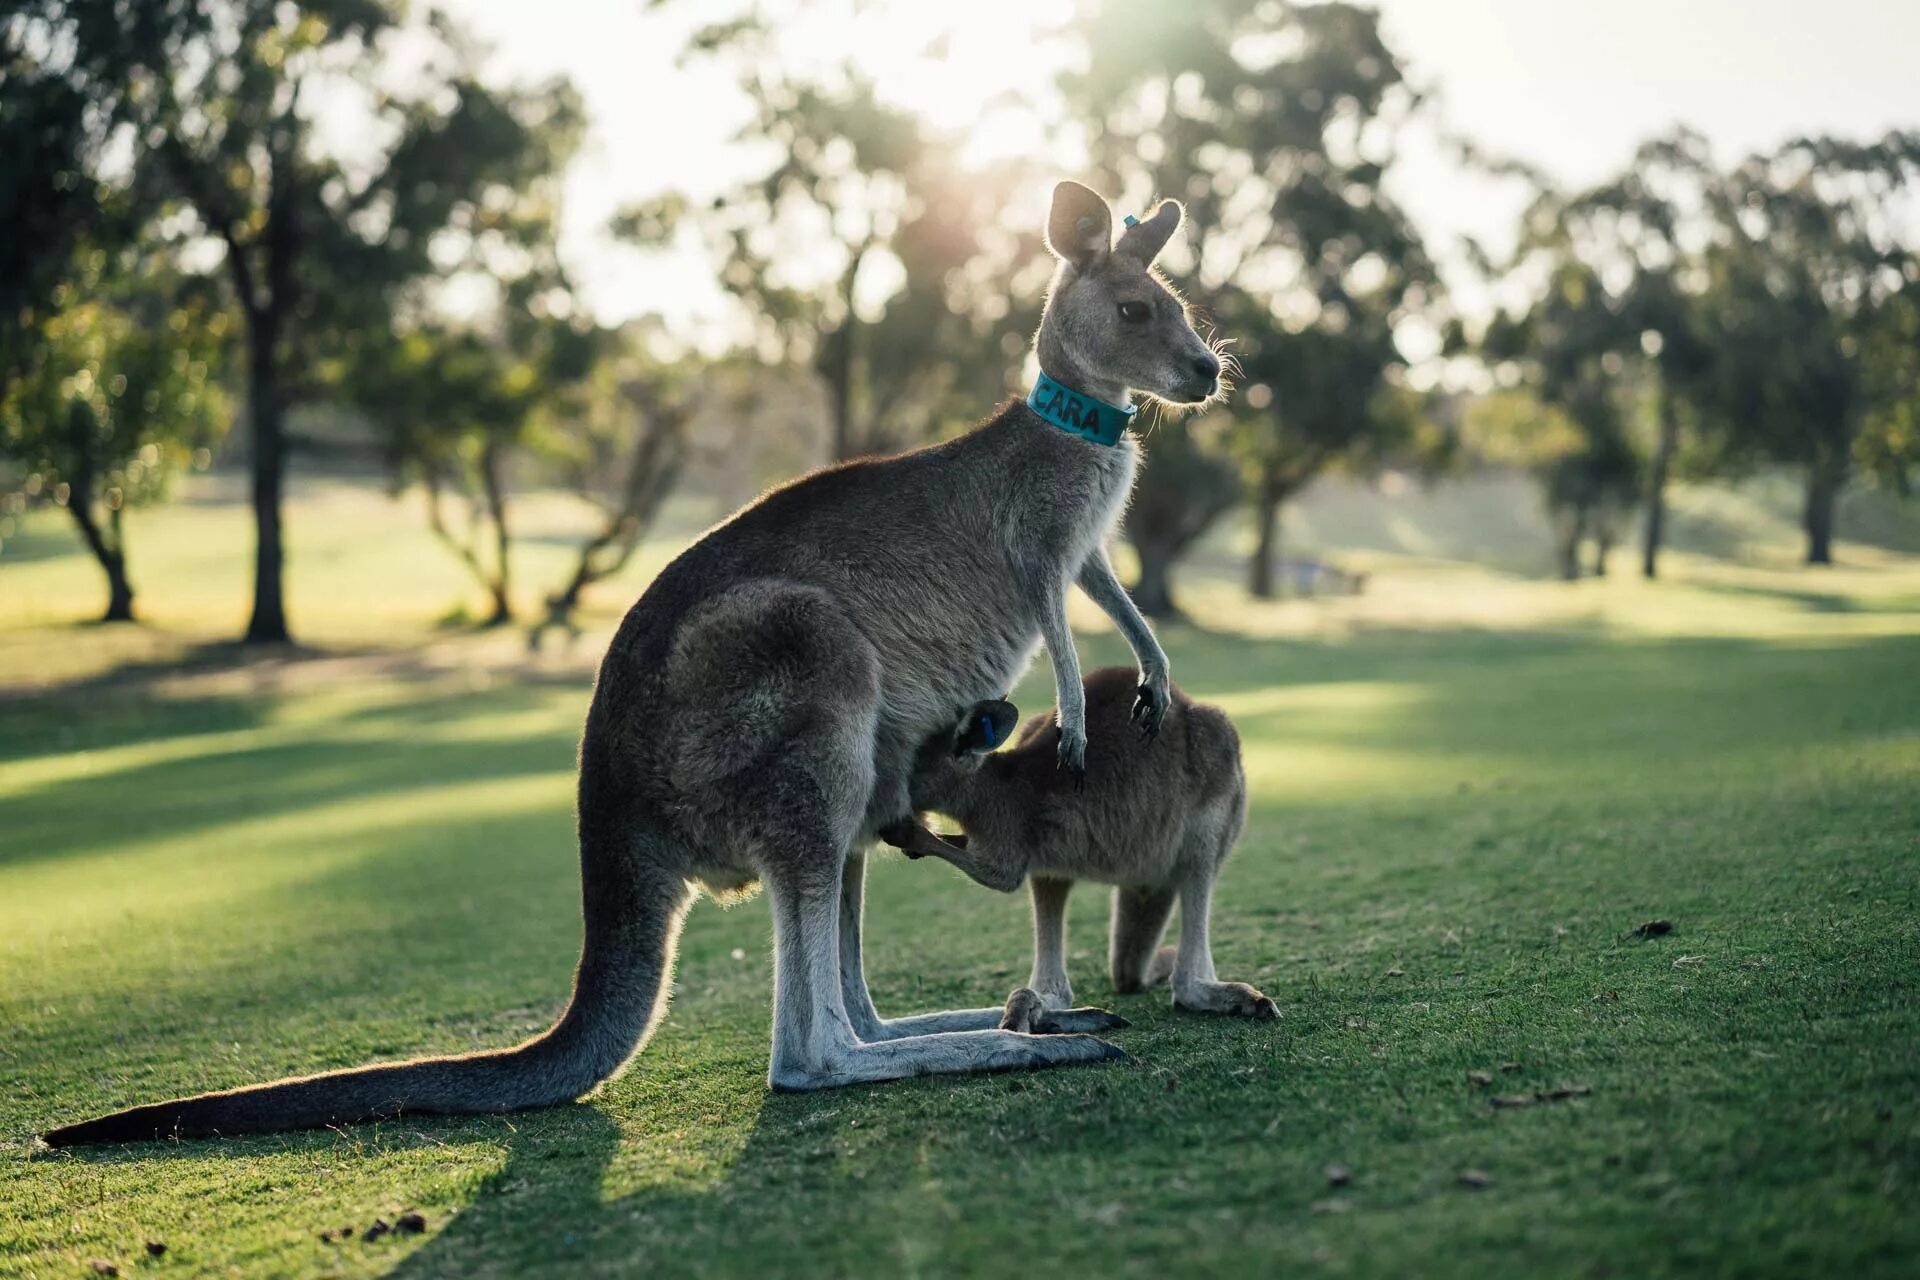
[[111, 556], [838, 361], [1570, 545], [1602, 543], [1266, 549], [267, 448], [1657, 482], [494, 486], [1823, 489], [1153, 593]]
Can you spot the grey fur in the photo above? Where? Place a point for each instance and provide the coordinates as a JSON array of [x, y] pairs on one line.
[[758, 711], [1157, 821]]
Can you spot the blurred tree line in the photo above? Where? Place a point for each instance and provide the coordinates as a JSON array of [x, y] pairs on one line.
[[185, 237]]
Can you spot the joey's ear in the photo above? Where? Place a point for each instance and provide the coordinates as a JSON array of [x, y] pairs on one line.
[[987, 726], [1144, 240], [1080, 227]]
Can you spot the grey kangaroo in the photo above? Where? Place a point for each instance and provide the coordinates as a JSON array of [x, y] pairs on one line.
[[757, 715], [1156, 820]]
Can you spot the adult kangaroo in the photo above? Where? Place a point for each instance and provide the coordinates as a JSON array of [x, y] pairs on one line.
[[757, 715]]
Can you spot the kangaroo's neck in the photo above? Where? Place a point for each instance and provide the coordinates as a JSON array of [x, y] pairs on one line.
[[1060, 364]]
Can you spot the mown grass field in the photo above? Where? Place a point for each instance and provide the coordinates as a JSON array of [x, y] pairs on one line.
[[1469, 789]]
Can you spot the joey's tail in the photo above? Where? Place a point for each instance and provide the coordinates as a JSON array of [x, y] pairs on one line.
[[633, 907]]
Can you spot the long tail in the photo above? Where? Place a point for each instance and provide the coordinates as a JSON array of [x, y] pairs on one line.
[[633, 907]]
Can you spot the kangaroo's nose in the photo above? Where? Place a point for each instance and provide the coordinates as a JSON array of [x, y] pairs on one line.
[[1207, 367]]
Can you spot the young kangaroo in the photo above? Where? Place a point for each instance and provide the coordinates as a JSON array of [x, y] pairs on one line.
[[757, 714], [1156, 820]]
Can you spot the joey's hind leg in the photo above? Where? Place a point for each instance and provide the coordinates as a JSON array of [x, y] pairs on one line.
[[1135, 958], [1195, 986], [1049, 976]]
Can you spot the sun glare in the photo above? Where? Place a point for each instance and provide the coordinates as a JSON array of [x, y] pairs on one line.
[[983, 69]]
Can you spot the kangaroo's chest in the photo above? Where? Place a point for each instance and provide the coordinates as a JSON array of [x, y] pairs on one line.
[[1043, 529]]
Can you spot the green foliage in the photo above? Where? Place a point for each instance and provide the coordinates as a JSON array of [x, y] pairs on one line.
[[1809, 281], [121, 387], [1889, 444], [115, 387]]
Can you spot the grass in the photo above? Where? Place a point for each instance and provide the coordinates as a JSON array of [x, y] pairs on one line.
[[1468, 790]]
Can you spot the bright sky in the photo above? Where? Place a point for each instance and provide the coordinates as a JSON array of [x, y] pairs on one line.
[[1569, 85]]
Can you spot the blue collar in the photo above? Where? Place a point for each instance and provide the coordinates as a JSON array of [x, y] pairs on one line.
[[1080, 415]]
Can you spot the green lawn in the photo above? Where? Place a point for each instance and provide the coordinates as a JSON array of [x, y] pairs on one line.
[[1468, 790]]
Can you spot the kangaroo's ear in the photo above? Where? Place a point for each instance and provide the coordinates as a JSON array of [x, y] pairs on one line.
[[1080, 227], [1144, 240], [987, 726]]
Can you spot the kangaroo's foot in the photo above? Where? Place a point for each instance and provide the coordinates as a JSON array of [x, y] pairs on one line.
[[1027, 1010], [948, 1053], [1233, 999]]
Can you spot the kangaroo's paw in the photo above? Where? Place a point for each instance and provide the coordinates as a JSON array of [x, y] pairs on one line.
[[1024, 1010], [1231, 999]]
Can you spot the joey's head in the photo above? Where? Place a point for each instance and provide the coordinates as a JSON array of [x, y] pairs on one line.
[[949, 759], [1112, 326]]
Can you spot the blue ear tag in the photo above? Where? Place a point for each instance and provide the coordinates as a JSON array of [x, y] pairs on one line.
[[1131, 221], [986, 727]]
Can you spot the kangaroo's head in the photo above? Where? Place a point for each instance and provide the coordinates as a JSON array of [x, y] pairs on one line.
[[946, 762], [1112, 326], [948, 759]]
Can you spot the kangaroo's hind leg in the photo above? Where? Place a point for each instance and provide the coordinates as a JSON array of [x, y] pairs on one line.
[[815, 1046]]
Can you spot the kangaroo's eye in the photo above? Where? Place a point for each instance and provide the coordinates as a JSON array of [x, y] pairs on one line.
[[1133, 312]]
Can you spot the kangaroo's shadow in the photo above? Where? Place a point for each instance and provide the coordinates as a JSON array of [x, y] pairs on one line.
[[536, 1211]]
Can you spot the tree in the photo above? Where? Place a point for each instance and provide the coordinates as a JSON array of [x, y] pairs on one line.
[[865, 251], [1187, 484], [202, 116], [622, 454], [453, 406], [1276, 123], [1643, 231], [1568, 347], [1810, 266], [1889, 445], [115, 388]]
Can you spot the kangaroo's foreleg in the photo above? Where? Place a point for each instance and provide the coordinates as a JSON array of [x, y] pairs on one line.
[[1102, 586], [1048, 599]]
